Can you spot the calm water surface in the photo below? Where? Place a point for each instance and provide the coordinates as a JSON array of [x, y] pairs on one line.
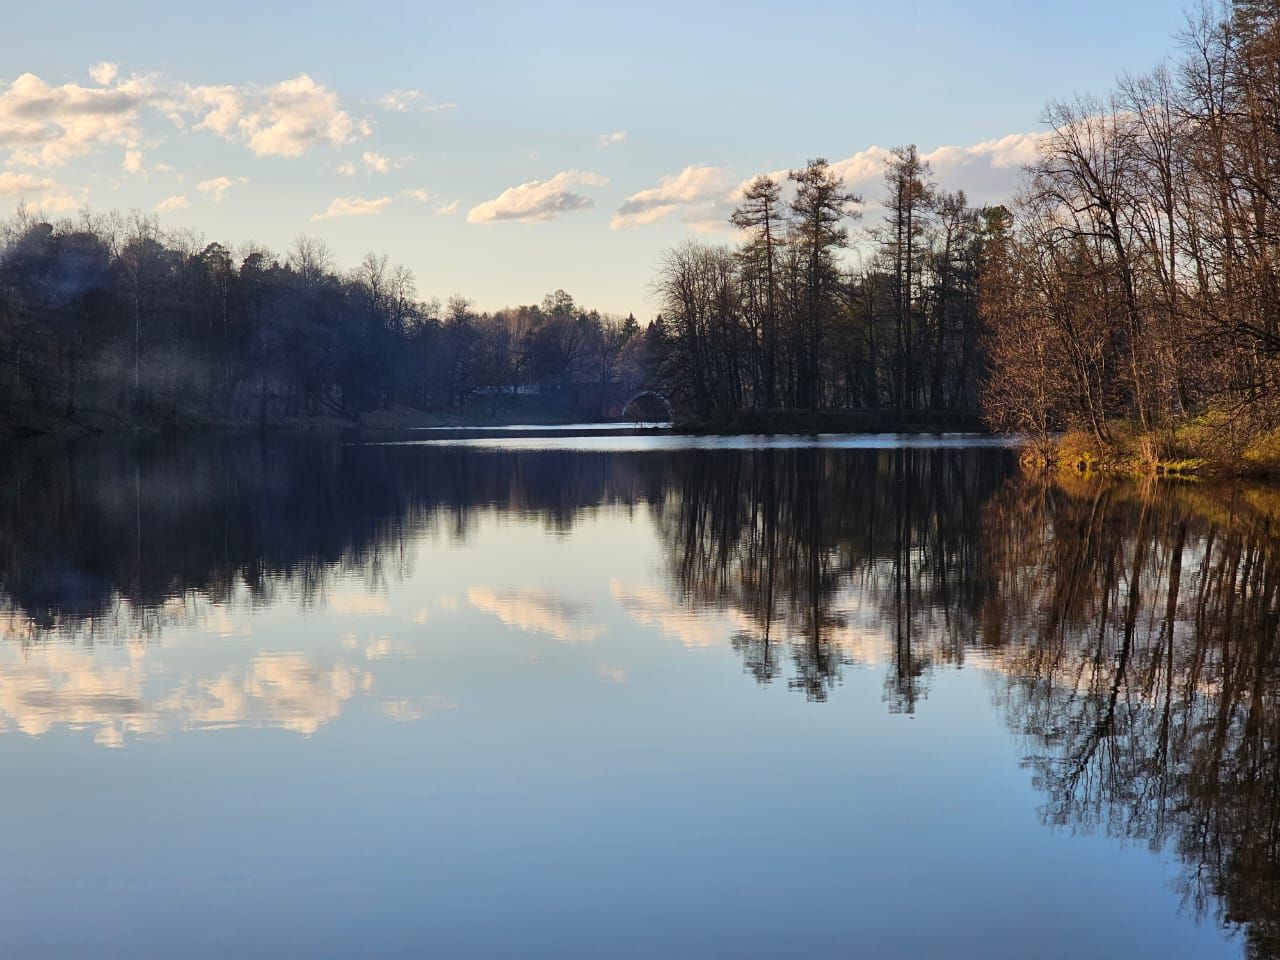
[[631, 697]]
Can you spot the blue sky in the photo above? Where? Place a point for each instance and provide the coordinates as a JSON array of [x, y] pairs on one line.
[[260, 121]]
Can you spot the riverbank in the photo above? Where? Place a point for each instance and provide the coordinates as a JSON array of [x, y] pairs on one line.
[[1203, 447], [92, 423], [833, 421], [770, 422]]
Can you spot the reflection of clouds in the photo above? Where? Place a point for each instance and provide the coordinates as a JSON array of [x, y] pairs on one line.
[[406, 709], [56, 686], [538, 611], [358, 602], [66, 676], [613, 674], [221, 625], [65, 687], [652, 606], [863, 647], [279, 690], [379, 647]]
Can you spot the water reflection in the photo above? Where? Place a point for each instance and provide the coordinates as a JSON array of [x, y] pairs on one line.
[[1137, 636], [1130, 633], [1133, 631], [817, 552]]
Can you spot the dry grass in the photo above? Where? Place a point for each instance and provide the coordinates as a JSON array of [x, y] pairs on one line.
[[1263, 454], [1181, 451]]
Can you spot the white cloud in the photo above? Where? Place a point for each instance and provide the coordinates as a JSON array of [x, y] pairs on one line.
[[104, 73], [219, 108], [47, 125], [16, 184], [285, 119], [988, 171], [691, 190], [402, 101], [218, 186], [40, 192], [132, 162], [399, 101], [169, 204], [609, 139], [422, 196], [295, 115], [378, 163], [445, 209], [538, 200], [60, 200], [43, 125], [353, 207], [373, 163]]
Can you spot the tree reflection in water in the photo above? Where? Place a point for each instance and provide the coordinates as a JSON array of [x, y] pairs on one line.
[[816, 548], [1136, 632], [1131, 631]]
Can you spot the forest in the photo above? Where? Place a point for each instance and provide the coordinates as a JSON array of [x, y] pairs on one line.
[[786, 320], [1128, 297], [109, 320], [1136, 298]]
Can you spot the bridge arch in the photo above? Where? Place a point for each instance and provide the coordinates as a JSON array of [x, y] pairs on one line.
[[630, 409]]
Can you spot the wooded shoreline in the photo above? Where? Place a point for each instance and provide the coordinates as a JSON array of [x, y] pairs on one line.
[[1122, 311]]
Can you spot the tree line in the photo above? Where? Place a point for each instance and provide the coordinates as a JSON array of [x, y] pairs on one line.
[[792, 317], [1131, 288], [1139, 280], [109, 317]]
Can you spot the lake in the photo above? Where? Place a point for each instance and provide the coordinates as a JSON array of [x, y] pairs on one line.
[[495, 694]]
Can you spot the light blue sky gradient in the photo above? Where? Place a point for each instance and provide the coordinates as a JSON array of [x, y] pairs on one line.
[[741, 88]]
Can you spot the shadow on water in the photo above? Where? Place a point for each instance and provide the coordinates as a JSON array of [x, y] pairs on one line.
[[1130, 632]]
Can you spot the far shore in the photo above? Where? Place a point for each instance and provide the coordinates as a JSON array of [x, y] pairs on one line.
[[747, 422]]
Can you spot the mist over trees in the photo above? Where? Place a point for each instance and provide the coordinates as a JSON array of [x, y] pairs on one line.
[[1138, 281], [109, 318]]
